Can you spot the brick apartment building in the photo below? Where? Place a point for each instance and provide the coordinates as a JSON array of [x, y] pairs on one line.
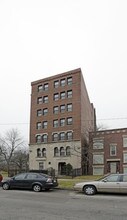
[[108, 151], [60, 120]]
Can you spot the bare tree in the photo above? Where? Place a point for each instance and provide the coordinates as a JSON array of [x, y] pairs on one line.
[[83, 154], [20, 160], [8, 145]]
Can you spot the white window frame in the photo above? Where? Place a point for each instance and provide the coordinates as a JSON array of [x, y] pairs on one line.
[[95, 168], [98, 158], [46, 86], [41, 165], [124, 141], [39, 100], [98, 143], [38, 125], [55, 110], [45, 99], [69, 81], [40, 88], [62, 82], [111, 150], [124, 157], [62, 95]]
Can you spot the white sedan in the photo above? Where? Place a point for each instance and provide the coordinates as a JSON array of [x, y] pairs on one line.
[[114, 183]]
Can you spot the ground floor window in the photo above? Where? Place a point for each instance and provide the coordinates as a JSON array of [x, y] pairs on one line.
[[41, 165], [98, 159], [125, 157], [124, 169], [98, 170]]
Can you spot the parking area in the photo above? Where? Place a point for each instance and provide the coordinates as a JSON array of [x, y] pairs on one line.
[[61, 205]]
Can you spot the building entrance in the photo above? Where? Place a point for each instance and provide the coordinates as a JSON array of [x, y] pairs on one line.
[[113, 167], [62, 168]]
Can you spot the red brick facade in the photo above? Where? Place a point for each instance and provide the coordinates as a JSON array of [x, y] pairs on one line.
[[108, 151], [72, 103]]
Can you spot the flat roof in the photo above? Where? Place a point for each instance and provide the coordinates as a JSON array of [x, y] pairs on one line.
[[56, 76]]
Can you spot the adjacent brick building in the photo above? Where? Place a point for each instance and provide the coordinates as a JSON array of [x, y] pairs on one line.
[[108, 151], [60, 120]]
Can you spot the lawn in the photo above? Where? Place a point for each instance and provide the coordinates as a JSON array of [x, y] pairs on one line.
[[68, 183]]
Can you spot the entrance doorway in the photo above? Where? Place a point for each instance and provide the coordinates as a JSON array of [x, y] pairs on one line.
[[113, 167], [62, 168]]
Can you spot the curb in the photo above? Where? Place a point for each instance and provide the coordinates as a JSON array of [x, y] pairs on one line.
[[68, 189]]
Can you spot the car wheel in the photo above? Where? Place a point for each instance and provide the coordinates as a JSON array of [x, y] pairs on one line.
[[36, 188], [89, 190], [5, 186]]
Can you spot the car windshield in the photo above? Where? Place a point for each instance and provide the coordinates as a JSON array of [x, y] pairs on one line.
[[111, 178], [103, 177]]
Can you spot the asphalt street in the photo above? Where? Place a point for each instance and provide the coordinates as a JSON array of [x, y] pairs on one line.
[[61, 205]]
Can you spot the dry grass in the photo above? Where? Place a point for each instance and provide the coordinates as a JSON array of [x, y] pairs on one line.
[[68, 183], [4, 174]]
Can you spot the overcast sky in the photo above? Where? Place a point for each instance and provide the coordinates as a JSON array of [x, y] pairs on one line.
[[40, 38]]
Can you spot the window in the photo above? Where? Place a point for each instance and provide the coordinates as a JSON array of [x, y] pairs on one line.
[[38, 152], [32, 176], [41, 165], [45, 111], [39, 112], [124, 169], [69, 94], [98, 159], [56, 152], [98, 143], [45, 99], [62, 82], [62, 122], [45, 138], [69, 80], [62, 95], [21, 176], [69, 121], [124, 141], [45, 124], [55, 137], [55, 109], [39, 100], [38, 125], [38, 139], [62, 151], [113, 178], [125, 157], [62, 108], [98, 170], [56, 96], [69, 135], [112, 150], [62, 136], [46, 86], [40, 88], [125, 178], [43, 152], [55, 123], [69, 107], [68, 152], [56, 84]]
